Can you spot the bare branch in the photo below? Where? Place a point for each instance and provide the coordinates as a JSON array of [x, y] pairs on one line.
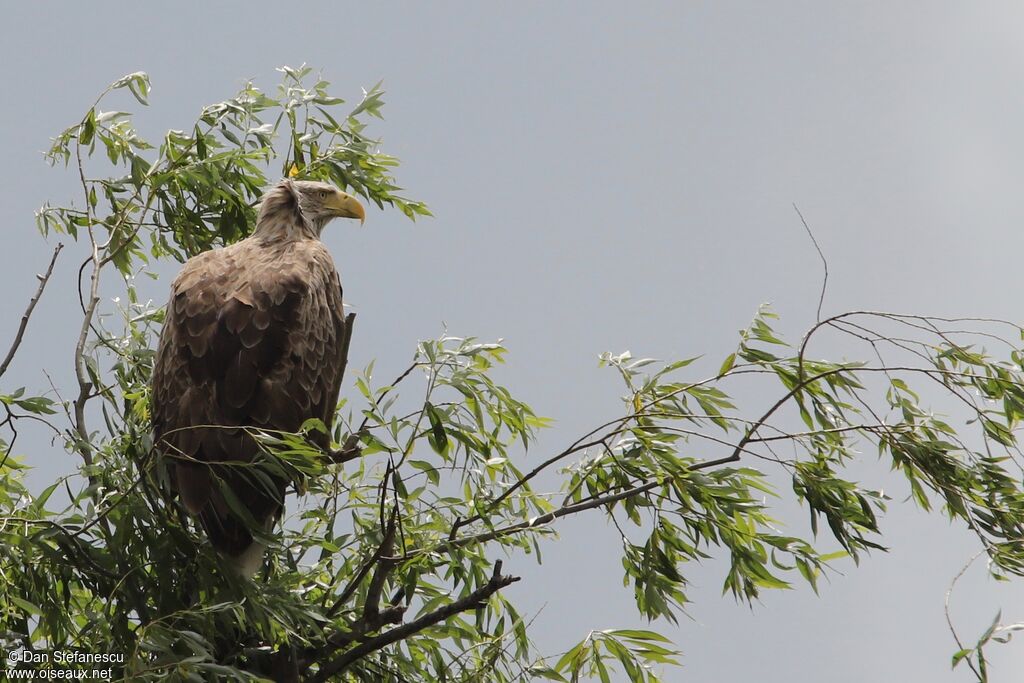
[[471, 601], [346, 341], [81, 373], [43, 279], [824, 261], [385, 563]]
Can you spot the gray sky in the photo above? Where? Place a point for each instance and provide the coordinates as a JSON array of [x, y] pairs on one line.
[[605, 180]]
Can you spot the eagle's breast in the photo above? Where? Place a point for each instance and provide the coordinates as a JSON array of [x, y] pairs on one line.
[[251, 340]]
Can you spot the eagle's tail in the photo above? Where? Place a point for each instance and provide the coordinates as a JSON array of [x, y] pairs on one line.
[[232, 538], [249, 561]]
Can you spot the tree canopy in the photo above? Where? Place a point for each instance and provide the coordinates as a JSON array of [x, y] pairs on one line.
[[395, 559]]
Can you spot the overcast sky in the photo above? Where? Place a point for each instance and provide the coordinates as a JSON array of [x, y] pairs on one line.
[[611, 180]]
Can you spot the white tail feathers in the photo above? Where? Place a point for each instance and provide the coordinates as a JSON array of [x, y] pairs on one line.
[[250, 560]]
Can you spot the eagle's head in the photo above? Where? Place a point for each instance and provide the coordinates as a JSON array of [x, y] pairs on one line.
[[305, 206], [320, 202]]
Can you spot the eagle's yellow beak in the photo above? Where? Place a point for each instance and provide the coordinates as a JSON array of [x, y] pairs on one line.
[[346, 206]]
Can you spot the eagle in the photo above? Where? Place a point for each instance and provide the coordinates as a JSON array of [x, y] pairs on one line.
[[252, 340]]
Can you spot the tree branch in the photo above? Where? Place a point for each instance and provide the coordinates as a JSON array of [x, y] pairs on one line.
[[471, 601], [385, 564], [385, 548], [738, 450], [346, 341], [81, 371], [524, 480], [350, 450], [43, 279], [824, 261]]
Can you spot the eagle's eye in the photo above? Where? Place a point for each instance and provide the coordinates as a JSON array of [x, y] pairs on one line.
[[322, 194]]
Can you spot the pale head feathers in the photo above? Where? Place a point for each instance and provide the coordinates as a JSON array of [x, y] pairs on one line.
[[299, 209]]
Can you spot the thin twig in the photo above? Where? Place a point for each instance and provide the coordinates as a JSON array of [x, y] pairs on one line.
[[949, 618], [9, 421], [43, 279], [386, 546], [524, 480], [824, 261], [350, 450]]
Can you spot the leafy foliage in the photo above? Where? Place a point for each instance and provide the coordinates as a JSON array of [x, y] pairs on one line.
[[386, 567], [200, 188]]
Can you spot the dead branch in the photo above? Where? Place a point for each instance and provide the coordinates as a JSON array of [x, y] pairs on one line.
[[469, 602], [43, 279]]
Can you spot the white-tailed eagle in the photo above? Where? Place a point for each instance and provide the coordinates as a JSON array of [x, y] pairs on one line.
[[252, 338]]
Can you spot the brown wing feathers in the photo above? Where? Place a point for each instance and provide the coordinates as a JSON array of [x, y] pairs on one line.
[[251, 338]]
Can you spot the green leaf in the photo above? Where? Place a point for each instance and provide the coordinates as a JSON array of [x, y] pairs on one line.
[[430, 470], [314, 424], [26, 606], [88, 128], [41, 499], [728, 364], [642, 636], [437, 438]]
